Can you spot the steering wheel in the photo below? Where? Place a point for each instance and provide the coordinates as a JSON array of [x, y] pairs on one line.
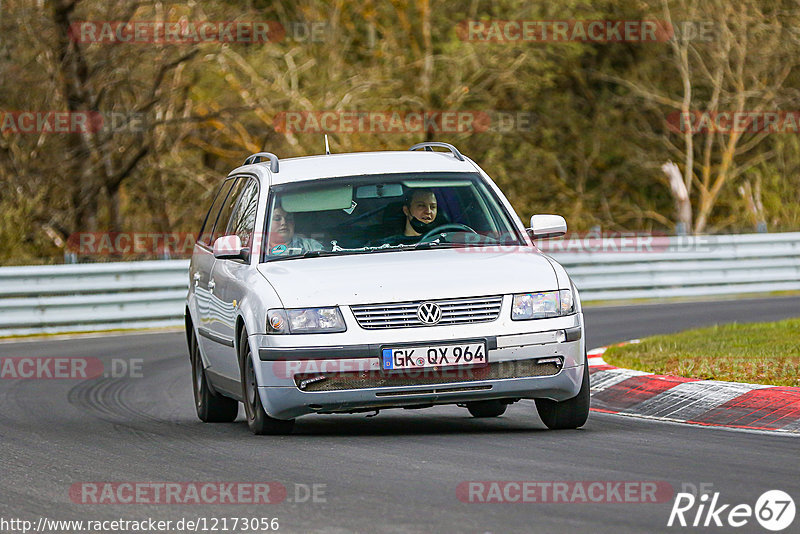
[[446, 227]]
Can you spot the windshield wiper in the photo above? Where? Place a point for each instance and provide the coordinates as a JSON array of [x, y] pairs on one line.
[[437, 244], [309, 254], [344, 252], [317, 253]]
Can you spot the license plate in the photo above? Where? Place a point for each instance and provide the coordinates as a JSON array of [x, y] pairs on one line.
[[434, 356]]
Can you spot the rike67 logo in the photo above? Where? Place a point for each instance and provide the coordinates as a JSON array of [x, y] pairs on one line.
[[774, 510]]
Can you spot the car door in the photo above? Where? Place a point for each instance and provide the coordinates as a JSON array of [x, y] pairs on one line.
[[219, 343], [214, 346], [229, 274], [200, 270]]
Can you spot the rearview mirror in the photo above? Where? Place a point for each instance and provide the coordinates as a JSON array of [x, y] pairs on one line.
[[229, 247], [544, 226], [379, 191]]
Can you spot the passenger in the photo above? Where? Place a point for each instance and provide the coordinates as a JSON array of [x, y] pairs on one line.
[[283, 240]]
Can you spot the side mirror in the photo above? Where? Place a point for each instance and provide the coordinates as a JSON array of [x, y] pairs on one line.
[[229, 247], [544, 226]]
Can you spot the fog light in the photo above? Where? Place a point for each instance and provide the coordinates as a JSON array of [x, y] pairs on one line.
[[561, 336]]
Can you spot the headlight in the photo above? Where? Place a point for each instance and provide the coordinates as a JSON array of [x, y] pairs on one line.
[[305, 321], [542, 305]]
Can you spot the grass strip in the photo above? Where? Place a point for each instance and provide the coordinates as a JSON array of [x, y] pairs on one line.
[[757, 353]]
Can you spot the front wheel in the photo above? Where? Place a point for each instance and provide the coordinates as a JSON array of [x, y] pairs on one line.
[[571, 413], [211, 408], [257, 419]]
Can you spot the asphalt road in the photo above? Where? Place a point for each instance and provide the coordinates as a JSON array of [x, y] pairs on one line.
[[397, 472]]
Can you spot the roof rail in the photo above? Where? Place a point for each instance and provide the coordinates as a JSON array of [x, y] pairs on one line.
[[428, 146], [256, 158]]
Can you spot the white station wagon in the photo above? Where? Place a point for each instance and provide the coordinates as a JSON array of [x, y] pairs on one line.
[[358, 282]]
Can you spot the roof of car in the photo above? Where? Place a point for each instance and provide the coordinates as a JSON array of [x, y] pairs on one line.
[[358, 163]]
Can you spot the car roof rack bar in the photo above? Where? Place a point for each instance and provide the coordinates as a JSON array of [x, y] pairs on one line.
[[428, 146], [256, 158]]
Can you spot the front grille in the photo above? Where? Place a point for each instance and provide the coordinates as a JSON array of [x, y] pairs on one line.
[[404, 314], [422, 377]]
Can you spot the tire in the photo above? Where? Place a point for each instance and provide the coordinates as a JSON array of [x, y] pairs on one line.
[[571, 413], [257, 419], [488, 408], [211, 408]]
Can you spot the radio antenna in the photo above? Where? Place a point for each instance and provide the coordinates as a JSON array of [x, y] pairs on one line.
[[327, 146]]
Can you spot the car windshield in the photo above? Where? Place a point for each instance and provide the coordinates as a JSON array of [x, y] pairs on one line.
[[382, 213]]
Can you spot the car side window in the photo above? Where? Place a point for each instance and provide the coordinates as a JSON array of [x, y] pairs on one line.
[[243, 219], [204, 237], [227, 208]]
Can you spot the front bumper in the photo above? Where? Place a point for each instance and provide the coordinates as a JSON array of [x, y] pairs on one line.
[[281, 370], [290, 402]]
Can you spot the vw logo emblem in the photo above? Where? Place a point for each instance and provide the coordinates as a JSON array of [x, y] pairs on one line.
[[429, 313]]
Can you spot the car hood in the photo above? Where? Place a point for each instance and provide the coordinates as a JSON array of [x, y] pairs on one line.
[[408, 275]]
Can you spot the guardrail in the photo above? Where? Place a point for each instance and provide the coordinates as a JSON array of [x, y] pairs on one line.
[[92, 297], [689, 267]]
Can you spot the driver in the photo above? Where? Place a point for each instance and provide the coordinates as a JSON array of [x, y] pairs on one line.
[[420, 209], [283, 240]]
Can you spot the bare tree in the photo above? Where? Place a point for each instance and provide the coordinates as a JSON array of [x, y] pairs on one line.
[[740, 64], [103, 159]]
